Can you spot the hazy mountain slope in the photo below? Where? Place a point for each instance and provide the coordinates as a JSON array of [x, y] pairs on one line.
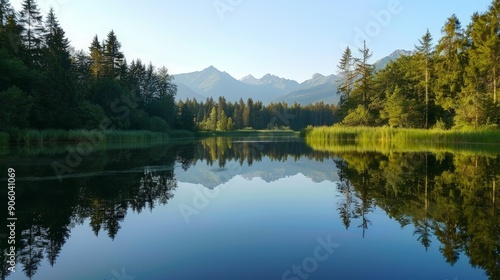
[[282, 84], [318, 88], [382, 63], [213, 83], [184, 92]]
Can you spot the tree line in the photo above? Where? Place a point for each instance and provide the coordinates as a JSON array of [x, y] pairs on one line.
[[223, 115], [46, 84], [451, 84]]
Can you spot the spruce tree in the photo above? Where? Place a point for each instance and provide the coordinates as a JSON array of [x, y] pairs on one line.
[[450, 63], [30, 19], [10, 30], [346, 68], [364, 70], [425, 51], [96, 56], [113, 57], [5, 12]]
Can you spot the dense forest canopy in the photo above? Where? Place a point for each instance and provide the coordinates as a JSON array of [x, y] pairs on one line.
[[451, 84], [46, 84]]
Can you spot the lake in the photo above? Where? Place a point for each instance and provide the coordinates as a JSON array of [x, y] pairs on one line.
[[252, 208]]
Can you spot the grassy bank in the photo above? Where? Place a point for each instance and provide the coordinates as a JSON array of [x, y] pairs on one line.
[[34, 137], [385, 139], [53, 137], [402, 135], [248, 132]]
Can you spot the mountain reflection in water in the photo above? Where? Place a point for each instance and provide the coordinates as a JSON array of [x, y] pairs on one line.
[[451, 198]]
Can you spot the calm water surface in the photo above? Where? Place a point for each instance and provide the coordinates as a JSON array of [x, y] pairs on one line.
[[223, 208]]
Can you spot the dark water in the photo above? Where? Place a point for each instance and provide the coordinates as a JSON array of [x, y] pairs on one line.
[[262, 209]]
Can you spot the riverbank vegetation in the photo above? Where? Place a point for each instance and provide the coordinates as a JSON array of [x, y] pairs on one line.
[[382, 135], [250, 132], [451, 84], [387, 140], [48, 86], [50, 92]]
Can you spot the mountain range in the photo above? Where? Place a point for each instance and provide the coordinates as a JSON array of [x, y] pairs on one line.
[[212, 82]]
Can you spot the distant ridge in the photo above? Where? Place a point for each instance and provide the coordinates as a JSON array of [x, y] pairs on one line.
[[211, 82], [382, 63]]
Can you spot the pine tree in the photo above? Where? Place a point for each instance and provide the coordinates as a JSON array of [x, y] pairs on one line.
[[212, 120], [166, 86], [346, 68], [450, 64], [6, 11], [248, 113], [492, 43], [57, 45], [474, 103], [364, 70], [185, 117], [58, 68], [425, 51], [113, 57], [97, 58], [30, 19], [10, 30]]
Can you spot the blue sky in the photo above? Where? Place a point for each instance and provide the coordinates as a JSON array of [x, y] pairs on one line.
[[291, 39]]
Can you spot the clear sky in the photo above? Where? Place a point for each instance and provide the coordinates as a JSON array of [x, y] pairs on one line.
[[289, 38]]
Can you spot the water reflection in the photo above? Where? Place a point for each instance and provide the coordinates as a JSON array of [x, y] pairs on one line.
[[451, 198], [106, 187]]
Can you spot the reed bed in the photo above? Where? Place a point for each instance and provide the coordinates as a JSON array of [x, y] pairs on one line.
[[53, 136], [386, 139]]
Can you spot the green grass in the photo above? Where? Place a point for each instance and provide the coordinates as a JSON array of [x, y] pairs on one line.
[[54, 141], [53, 136], [387, 134], [249, 132], [386, 139]]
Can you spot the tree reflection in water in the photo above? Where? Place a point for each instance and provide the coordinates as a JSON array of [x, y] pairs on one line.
[[449, 196]]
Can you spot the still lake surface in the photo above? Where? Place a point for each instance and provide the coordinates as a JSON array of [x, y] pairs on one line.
[[235, 208]]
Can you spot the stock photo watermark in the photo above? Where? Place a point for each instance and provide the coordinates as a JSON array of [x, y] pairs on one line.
[[379, 20], [222, 7], [57, 5], [309, 265], [84, 148], [201, 199], [11, 219], [122, 275]]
